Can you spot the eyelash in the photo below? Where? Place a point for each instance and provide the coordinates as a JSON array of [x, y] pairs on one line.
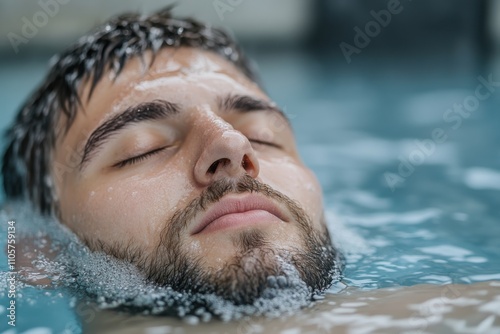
[[267, 143], [139, 158]]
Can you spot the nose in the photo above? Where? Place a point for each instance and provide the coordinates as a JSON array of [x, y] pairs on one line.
[[227, 154]]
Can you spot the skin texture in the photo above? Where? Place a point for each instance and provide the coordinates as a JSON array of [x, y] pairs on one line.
[[132, 204]]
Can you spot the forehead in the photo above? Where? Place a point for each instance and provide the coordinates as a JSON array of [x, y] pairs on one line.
[[186, 76], [183, 75]]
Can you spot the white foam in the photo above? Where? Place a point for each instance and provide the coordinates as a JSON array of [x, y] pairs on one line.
[[363, 198], [291, 331], [454, 253], [98, 278], [348, 241], [384, 218], [353, 304], [476, 259], [437, 278], [414, 258], [492, 307], [159, 330], [485, 326], [489, 277]]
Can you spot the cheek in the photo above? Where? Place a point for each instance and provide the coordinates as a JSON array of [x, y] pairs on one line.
[[297, 182], [118, 210]]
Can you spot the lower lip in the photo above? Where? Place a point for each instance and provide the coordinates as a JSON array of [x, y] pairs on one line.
[[241, 219]]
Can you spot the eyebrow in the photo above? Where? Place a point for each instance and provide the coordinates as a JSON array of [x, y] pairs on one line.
[[245, 103], [147, 111]]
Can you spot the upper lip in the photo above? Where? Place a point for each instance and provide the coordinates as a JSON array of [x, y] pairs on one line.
[[239, 204]]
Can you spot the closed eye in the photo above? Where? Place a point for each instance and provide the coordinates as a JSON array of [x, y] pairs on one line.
[[138, 158], [263, 142], [141, 157]]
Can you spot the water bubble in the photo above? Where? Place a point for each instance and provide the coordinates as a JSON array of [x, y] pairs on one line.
[[191, 320], [272, 282], [98, 279], [318, 297], [282, 281]]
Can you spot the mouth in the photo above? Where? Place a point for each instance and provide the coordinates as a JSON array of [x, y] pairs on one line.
[[239, 211]]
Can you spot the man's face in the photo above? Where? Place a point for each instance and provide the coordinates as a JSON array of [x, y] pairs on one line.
[[187, 169]]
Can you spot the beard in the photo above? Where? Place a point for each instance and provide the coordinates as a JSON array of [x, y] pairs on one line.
[[257, 267]]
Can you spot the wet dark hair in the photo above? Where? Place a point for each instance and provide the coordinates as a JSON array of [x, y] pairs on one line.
[[27, 161]]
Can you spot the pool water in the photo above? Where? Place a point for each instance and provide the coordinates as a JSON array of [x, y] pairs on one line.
[[404, 214]]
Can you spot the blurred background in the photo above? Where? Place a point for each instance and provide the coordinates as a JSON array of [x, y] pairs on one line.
[[360, 80]]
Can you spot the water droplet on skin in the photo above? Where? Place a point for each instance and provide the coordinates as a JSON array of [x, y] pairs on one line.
[[195, 246], [92, 193]]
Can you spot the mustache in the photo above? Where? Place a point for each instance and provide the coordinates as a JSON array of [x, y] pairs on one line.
[[223, 187]]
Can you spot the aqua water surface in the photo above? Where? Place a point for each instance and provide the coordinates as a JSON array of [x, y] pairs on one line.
[[437, 224]]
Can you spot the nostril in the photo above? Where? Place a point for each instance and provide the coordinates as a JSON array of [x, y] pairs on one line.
[[213, 167], [245, 162]]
